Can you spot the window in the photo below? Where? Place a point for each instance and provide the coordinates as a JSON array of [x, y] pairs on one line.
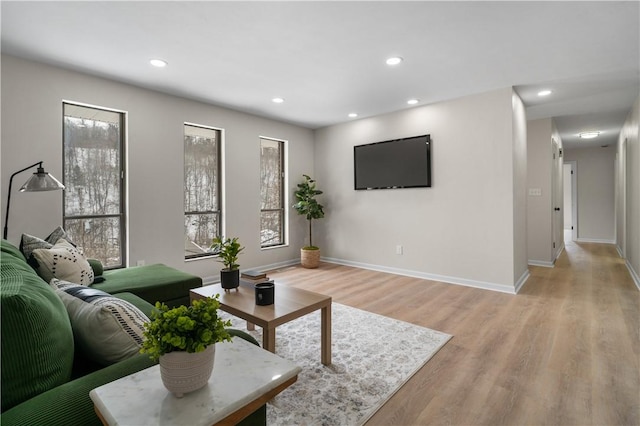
[[272, 193], [93, 201], [202, 221]]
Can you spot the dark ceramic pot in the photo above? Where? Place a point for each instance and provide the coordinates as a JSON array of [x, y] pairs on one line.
[[230, 278]]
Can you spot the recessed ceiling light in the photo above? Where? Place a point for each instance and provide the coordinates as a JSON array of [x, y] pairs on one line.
[[545, 92], [158, 63], [353, 115], [277, 100], [413, 101], [395, 60], [589, 135]]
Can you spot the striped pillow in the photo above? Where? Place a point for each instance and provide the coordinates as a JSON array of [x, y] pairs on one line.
[[106, 329]]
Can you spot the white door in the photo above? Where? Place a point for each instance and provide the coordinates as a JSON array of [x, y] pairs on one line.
[[557, 218]]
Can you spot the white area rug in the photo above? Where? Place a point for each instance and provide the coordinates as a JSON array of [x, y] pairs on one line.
[[372, 357]]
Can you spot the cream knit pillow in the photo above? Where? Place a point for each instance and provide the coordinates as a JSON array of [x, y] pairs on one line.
[[65, 262]]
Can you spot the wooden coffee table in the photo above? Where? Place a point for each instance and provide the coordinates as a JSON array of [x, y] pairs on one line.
[[289, 303]]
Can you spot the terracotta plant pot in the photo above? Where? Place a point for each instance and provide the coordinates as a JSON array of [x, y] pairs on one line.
[[310, 258], [184, 372]]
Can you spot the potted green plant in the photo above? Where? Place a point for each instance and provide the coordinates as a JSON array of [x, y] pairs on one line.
[[228, 250], [183, 340], [307, 205]]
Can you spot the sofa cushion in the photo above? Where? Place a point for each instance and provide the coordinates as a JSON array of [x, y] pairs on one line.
[[9, 249], [70, 404], [106, 329], [36, 336], [152, 283], [63, 261]]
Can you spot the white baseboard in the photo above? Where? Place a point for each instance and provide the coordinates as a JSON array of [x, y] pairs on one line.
[[595, 240], [543, 263], [619, 251], [216, 278], [525, 276], [433, 277], [634, 274]]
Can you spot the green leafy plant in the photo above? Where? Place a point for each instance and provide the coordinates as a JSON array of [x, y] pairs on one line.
[[228, 251], [307, 205], [188, 329]]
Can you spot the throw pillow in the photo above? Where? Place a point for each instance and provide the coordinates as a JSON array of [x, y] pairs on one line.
[[29, 243], [58, 233], [106, 329], [63, 261], [98, 270]]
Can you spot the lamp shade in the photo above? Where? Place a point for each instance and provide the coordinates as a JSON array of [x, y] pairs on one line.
[[41, 181]]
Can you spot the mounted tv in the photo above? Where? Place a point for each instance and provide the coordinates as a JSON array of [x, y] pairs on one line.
[[398, 163]]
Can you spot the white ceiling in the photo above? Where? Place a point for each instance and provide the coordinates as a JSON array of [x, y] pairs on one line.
[[327, 59]]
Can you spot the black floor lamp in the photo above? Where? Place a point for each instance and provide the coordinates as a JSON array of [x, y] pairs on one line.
[[39, 181]]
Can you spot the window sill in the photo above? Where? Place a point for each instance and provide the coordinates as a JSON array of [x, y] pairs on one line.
[[203, 257], [274, 247]]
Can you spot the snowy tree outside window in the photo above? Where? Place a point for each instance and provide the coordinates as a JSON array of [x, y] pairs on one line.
[[93, 176], [202, 210], [272, 192]]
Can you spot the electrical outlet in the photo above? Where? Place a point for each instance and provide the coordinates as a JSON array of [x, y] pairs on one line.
[[141, 263], [398, 249]]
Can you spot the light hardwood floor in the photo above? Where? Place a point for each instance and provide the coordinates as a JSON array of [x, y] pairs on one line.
[[564, 351]]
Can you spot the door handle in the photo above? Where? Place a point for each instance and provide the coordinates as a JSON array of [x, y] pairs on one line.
[[557, 209]]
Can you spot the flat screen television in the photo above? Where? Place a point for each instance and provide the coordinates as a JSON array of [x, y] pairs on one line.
[[398, 163]]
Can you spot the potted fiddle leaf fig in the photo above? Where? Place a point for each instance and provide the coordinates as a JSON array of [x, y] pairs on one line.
[[228, 250], [307, 205], [183, 340]]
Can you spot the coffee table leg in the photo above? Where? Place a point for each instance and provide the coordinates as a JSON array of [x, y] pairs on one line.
[[269, 339], [250, 326], [325, 335]]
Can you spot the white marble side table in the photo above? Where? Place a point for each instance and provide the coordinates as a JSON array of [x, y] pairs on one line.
[[244, 378]]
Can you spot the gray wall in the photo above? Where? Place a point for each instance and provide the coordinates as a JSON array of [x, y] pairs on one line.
[[596, 192], [539, 243], [32, 96], [630, 230], [519, 135], [468, 228]]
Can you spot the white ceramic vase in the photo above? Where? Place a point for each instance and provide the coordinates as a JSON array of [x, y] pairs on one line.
[[184, 372]]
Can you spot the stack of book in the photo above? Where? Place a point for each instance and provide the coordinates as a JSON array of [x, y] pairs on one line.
[[254, 276]]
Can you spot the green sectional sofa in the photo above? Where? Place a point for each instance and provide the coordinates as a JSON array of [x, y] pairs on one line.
[[152, 283], [45, 378]]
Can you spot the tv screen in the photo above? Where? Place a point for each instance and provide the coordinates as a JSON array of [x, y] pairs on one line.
[[399, 163]]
